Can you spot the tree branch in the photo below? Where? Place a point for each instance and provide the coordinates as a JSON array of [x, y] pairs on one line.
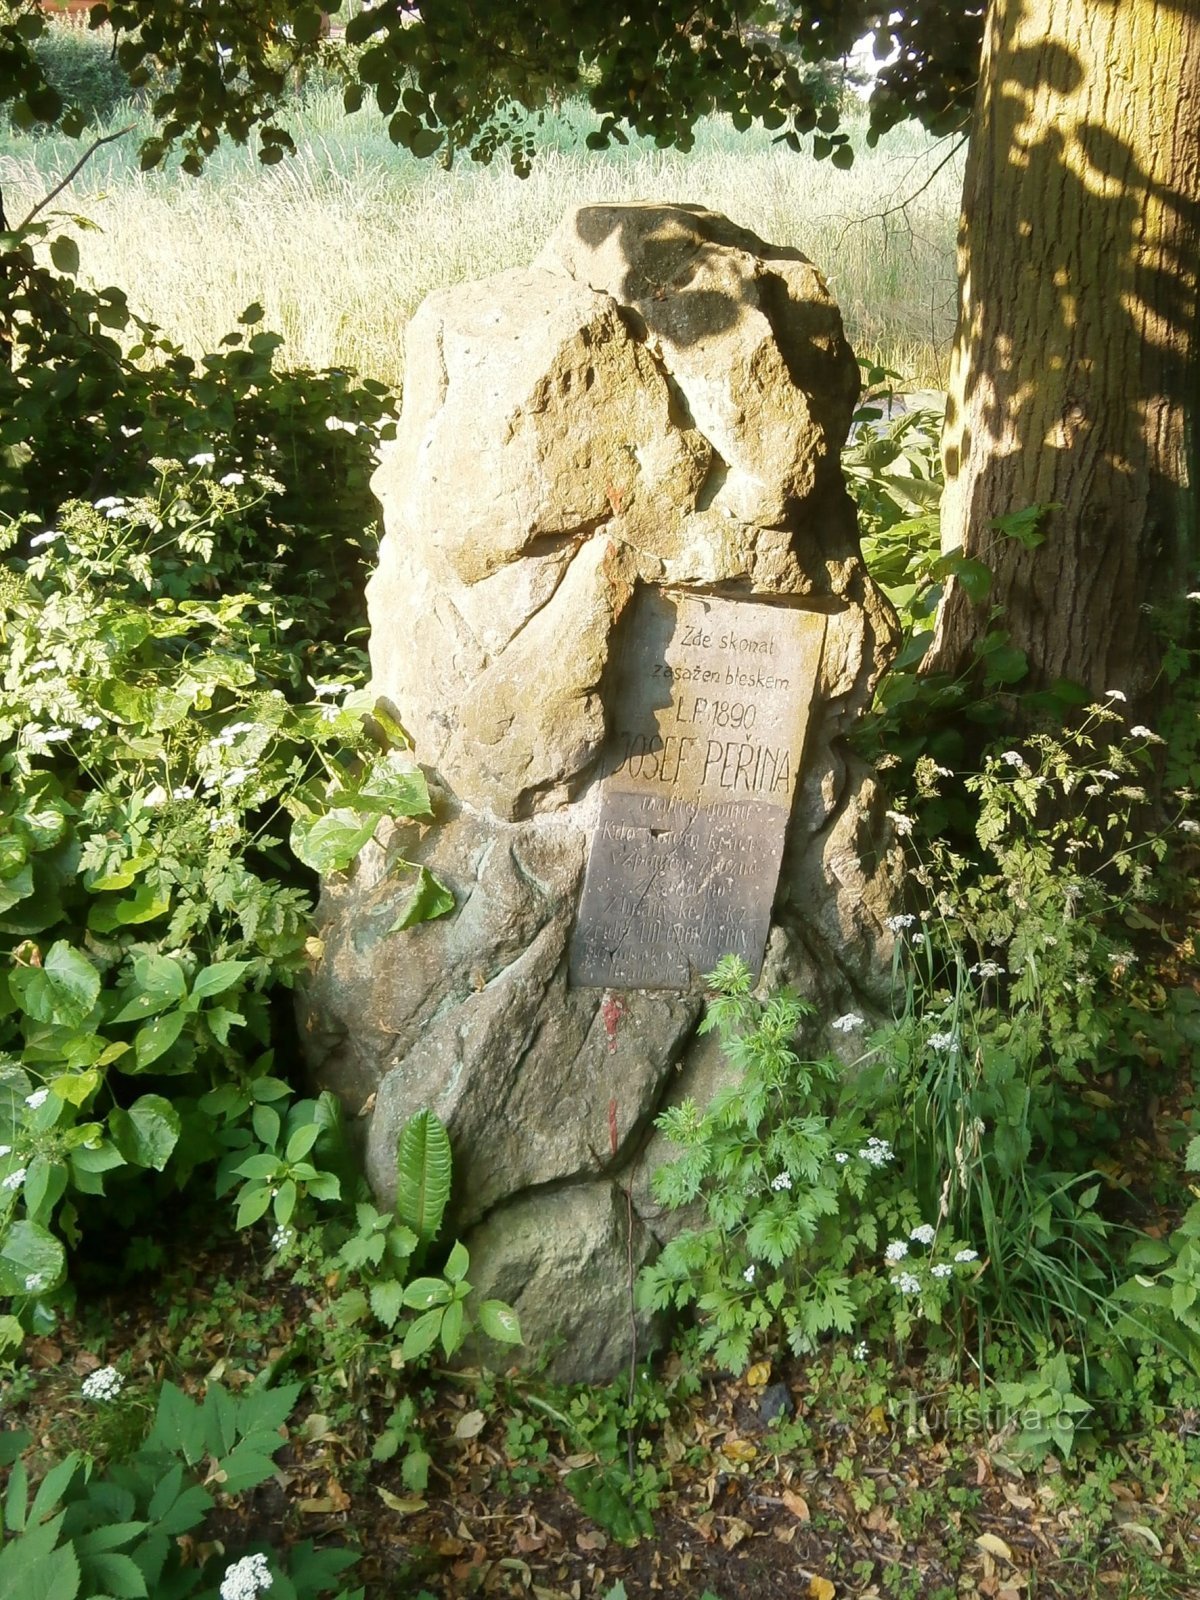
[[74, 172]]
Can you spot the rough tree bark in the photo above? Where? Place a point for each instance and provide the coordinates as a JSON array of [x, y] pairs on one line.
[[1076, 369]]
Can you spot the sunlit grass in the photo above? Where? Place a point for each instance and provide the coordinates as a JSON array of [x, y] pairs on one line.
[[341, 244]]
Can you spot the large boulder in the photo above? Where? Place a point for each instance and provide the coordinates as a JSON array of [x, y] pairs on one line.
[[656, 405]]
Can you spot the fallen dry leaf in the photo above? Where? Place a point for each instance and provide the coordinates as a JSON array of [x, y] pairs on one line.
[[738, 1450], [736, 1530], [593, 1540], [403, 1508], [994, 1546], [470, 1425], [759, 1375], [796, 1504], [820, 1589]]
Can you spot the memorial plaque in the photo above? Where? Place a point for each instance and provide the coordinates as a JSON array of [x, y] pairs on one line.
[[710, 705]]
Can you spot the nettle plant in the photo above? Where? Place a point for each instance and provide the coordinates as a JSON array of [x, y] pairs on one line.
[[173, 776], [798, 1197]]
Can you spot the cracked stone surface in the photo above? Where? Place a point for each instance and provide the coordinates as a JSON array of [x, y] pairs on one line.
[[660, 399]]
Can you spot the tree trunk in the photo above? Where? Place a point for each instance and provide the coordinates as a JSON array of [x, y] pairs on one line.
[[1076, 369]]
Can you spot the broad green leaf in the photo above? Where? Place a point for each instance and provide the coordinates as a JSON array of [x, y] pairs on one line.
[[387, 1300], [147, 1133], [422, 1293], [499, 1321], [64, 253], [422, 1334], [252, 1204], [457, 1263], [216, 979], [430, 899], [156, 1038], [157, 983], [31, 1260], [62, 990], [423, 1175], [452, 1328], [332, 842]]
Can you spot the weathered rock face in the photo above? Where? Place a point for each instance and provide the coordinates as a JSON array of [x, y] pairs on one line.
[[658, 403]]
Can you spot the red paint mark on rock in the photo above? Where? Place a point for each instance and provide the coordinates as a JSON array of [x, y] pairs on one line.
[[611, 1012]]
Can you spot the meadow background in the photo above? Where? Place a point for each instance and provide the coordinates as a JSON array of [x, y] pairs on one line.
[[341, 244]]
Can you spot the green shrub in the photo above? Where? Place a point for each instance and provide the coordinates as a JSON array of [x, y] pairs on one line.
[[79, 63]]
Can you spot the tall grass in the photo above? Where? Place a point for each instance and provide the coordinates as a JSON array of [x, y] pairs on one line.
[[342, 243]]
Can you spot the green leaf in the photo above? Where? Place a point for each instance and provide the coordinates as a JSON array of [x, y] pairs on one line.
[[158, 983], [147, 1133], [422, 1293], [253, 1202], [64, 253], [387, 1299], [332, 842], [423, 1175], [62, 990], [457, 1264], [430, 899], [499, 1321], [422, 1334], [452, 1327], [30, 1253], [157, 1037], [217, 978]]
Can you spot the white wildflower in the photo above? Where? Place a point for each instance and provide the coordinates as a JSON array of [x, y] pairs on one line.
[[877, 1152], [14, 1180], [1093, 789], [942, 1270], [37, 1098], [966, 1255], [749, 1273], [246, 1578], [943, 1041], [232, 480], [202, 458], [282, 1237], [39, 539], [919, 940], [902, 824], [103, 1384], [90, 724], [923, 1234], [183, 791], [1107, 774], [987, 969], [898, 924], [907, 1283], [1142, 732], [1188, 826], [782, 1180], [109, 503], [328, 691], [860, 1351], [1015, 759], [848, 1023], [896, 1251], [841, 1158], [1114, 694]]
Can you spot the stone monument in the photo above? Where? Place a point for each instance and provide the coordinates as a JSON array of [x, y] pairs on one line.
[[621, 610]]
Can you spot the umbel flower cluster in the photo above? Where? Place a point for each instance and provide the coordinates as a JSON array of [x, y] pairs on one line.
[[246, 1579]]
